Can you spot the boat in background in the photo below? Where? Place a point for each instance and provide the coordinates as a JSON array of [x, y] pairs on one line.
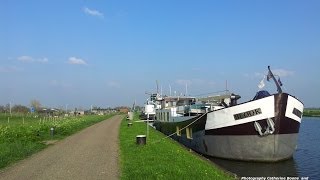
[[262, 129], [151, 106]]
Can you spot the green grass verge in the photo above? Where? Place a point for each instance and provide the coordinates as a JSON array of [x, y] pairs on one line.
[[17, 140], [165, 159], [311, 112]]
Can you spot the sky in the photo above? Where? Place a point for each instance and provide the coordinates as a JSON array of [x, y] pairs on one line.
[[110, 53]]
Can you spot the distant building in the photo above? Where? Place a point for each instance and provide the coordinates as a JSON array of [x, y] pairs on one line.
[[76, 113], [50, 112], [100, 111]]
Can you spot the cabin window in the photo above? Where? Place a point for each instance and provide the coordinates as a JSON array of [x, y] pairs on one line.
[[189, 132], [168, 116], [178, 131]]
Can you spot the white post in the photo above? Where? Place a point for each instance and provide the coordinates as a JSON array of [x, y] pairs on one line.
[[148, 125]]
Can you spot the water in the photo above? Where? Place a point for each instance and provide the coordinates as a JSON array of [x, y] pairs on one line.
[[305, 162]]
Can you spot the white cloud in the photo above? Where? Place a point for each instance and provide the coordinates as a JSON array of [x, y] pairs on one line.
[[26, 59], [76, 61], [29, 59], [93, 12]]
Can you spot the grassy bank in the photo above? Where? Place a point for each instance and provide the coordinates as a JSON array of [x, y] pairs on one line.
[[19, 140], [311, 112], [164, 159]]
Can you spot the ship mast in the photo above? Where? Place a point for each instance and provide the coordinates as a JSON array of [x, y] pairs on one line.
[[275, 81]]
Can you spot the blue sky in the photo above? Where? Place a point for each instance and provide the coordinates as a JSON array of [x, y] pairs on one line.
[[109, 53]]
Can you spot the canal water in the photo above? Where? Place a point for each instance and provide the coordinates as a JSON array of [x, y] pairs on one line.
[[305, 162]]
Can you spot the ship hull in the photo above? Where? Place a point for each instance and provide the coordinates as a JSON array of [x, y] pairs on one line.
[[271, 148], [230, 133]]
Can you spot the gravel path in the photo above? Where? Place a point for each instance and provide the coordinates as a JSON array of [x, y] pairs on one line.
[[90, 154]]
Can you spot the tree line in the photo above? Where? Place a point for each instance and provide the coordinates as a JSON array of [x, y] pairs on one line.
[[36, 106], [18, 108]]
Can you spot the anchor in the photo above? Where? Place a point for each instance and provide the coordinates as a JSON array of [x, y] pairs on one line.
[[269, 130]]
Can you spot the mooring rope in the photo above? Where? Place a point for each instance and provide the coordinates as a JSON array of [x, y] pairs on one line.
[[179, 129]]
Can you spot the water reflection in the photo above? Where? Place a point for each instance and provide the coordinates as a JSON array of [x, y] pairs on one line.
[[256, 169]]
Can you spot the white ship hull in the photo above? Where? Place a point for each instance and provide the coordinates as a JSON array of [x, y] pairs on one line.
[[260, 130]]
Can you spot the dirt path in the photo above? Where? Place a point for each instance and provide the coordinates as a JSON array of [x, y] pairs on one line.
[[90, 154]]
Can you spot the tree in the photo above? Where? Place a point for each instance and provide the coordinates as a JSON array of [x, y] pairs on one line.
[[2, 109], [35, 104], [20, 109]]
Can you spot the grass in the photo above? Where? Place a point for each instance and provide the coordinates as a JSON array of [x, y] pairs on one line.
[[160, 159], [16, 118], [18, 140], [311, 112]]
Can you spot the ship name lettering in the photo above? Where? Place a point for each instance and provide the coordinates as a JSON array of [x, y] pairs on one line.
[[247, 114]]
